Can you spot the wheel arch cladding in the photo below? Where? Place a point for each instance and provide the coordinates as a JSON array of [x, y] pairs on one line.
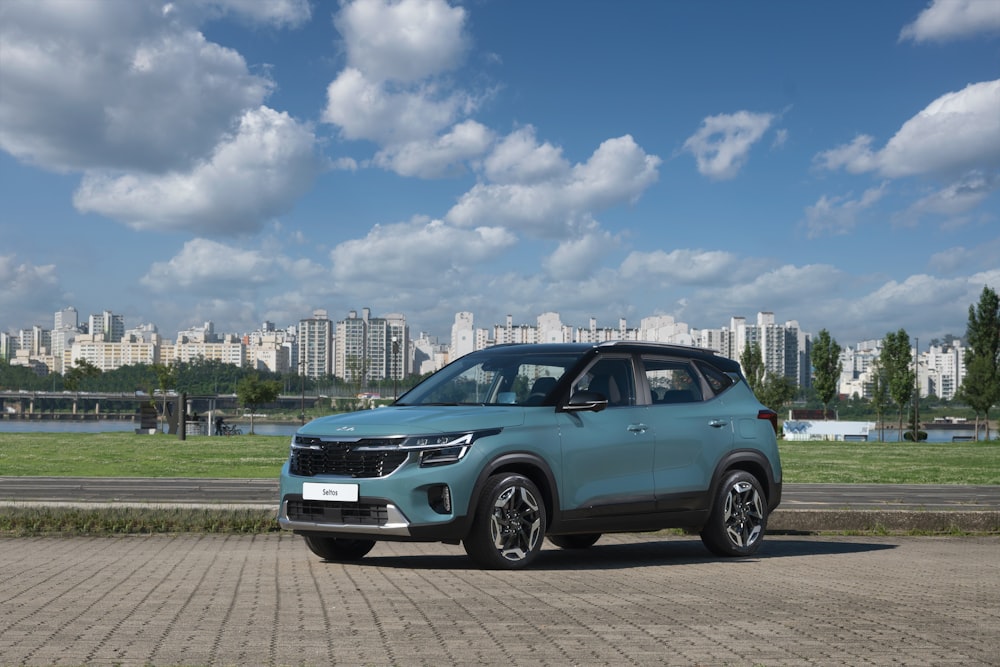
[[527, 465]]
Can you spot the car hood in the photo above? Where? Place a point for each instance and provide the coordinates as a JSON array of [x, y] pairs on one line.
[[415, 420]]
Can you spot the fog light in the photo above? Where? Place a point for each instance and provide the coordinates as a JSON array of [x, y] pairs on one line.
[[439, 497]]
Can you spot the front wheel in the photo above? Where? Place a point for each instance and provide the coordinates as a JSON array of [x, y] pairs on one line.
[[338, 548], [739, 517], [509, 524]]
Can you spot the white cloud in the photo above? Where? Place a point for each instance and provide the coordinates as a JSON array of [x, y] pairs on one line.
[[252, 176], [434, 158], [722, 144], [519, 158], [839, 215], [617, 172], [959, 259], [406, 41], [115, 85], [281, 13], [946, 20], [29, 288], [952, 202], [576, 258], [420, 254], [955, 133], [681, 267], [205, 263], [368, 109]]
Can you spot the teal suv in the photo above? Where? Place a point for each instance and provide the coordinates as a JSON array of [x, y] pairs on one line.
[[515, 443]]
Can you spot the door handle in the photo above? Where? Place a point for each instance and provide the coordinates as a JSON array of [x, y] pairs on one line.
[[637, 428], [717, 423]]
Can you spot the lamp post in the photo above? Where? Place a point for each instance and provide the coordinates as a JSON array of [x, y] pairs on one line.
[[302, 389], [394, 366]]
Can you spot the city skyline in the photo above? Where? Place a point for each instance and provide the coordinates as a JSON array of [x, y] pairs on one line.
[[239, 162]]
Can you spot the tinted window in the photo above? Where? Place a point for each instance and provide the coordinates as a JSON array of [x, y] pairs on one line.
[[613, 378], [671, 381], [717, 380]]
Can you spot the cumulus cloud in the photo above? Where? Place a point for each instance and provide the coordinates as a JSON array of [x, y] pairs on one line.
[[205, 262], [393, 92], [579, 257], [419, 253], [946, 20], [682, 267], [953, 202], [722, 144], [519, 158], [435, 157], [957, 132], [367, 109], [617, 172], [28, 287], [839, 215], [114, 85], [255, 174], [402, 41]]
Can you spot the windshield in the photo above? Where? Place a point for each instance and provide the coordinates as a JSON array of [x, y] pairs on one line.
[[493, 378]]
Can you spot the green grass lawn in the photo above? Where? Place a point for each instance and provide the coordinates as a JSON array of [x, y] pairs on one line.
[[243, 457], [130, 455]]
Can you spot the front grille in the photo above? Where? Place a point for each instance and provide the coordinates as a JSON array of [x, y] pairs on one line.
[[313, 456], [351, 514]]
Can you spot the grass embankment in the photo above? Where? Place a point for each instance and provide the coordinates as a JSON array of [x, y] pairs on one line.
[[248, 457]]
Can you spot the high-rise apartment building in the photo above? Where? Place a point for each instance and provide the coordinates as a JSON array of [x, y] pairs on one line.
[[107, 324], [315, 346], [372, 348]]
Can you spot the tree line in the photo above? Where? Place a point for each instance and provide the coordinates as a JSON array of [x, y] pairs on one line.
[[893, 373]]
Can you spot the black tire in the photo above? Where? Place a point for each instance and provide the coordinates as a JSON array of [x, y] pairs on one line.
[[338, 548], [739, 516], [509, 524], [581, 541]]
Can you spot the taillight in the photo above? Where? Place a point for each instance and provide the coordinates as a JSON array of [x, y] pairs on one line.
[[771, 416]]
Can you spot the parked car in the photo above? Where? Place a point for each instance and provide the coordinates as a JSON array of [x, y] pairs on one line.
[[514, 443]]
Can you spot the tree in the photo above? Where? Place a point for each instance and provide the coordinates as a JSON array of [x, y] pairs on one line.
[[166, 377], [752, 362], [981, 386], [897, 362], [825, 358], [82, 370], [772, 390], [253, 392], [880, 395], [776, 392]]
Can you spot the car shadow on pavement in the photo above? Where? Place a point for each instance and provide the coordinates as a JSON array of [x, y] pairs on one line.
[[670, 551]]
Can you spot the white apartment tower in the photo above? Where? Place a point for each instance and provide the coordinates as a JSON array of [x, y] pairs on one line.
[[315, 338]]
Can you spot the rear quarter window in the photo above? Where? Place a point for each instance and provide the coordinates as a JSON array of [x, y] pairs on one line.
[[717, 381]]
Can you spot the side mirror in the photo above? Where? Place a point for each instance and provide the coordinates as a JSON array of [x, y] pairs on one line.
[[586, 400]]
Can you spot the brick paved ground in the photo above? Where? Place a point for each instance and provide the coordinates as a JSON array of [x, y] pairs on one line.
[[632, 599]]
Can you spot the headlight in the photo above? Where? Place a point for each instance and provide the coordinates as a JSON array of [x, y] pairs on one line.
[[445, 448]]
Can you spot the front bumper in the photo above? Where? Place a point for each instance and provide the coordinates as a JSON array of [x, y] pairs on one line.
[[363, 518]]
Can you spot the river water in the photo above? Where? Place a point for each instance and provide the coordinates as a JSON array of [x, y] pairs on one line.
[[114, 426]]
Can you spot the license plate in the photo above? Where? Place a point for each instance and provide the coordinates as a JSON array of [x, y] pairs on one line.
[[340, 493]]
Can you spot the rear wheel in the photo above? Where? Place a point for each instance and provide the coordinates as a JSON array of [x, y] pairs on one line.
[[509, 524], [581, 541], [338, 548], [739, 517]]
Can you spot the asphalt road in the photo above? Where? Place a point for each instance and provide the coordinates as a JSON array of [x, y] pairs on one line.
[[629, 600]]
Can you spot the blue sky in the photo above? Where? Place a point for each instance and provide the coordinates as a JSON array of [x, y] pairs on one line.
[[833, 162]]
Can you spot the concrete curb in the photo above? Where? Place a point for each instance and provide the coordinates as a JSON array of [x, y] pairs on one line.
[[891, 521]]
